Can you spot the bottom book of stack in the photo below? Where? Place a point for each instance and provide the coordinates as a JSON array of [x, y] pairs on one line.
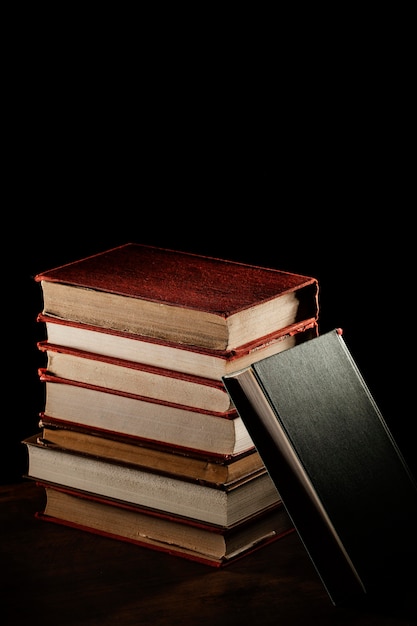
[[214, 545], [203, 520]]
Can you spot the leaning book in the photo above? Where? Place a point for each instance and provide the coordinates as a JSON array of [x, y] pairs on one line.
[[338, 469]]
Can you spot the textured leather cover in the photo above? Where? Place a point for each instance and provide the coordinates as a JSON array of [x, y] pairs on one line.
[[179, 297], [179, 278]]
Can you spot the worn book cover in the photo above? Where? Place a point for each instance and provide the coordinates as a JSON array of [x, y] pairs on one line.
[[177, 296], [337, 467]]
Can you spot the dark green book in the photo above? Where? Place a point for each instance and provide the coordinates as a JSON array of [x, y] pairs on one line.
[[335, 463]]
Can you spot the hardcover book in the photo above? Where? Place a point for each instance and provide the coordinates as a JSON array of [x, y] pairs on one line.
[[221, 505], [156, 383], [110, 412], [166, 460], [209, 544], [335, 463], [177, 296], [153, 352]]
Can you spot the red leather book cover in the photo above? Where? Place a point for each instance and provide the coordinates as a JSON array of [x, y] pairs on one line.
[[177, 278], [179, 297]]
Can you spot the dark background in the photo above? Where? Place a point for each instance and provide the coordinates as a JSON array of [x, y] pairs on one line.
[[301, 165]]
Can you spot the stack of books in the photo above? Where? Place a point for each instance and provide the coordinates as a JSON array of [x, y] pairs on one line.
[[140, 440]]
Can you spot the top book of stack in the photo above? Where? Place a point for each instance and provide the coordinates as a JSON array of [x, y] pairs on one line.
[[179, 297]]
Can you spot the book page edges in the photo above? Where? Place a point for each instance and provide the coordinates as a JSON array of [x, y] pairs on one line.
[[235, 353], [168, 548]]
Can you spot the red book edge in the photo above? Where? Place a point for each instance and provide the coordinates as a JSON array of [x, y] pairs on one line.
[[45, 376], [40, 515], [292, 329], [175, 449], [167, 549], [45, 346]]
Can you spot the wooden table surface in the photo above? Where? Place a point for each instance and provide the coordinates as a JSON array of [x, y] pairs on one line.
[[53, 575]]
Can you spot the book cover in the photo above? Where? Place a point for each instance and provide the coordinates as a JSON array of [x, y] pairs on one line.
[[209, 544], [337, 467], [114, 412], [178, 296]]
